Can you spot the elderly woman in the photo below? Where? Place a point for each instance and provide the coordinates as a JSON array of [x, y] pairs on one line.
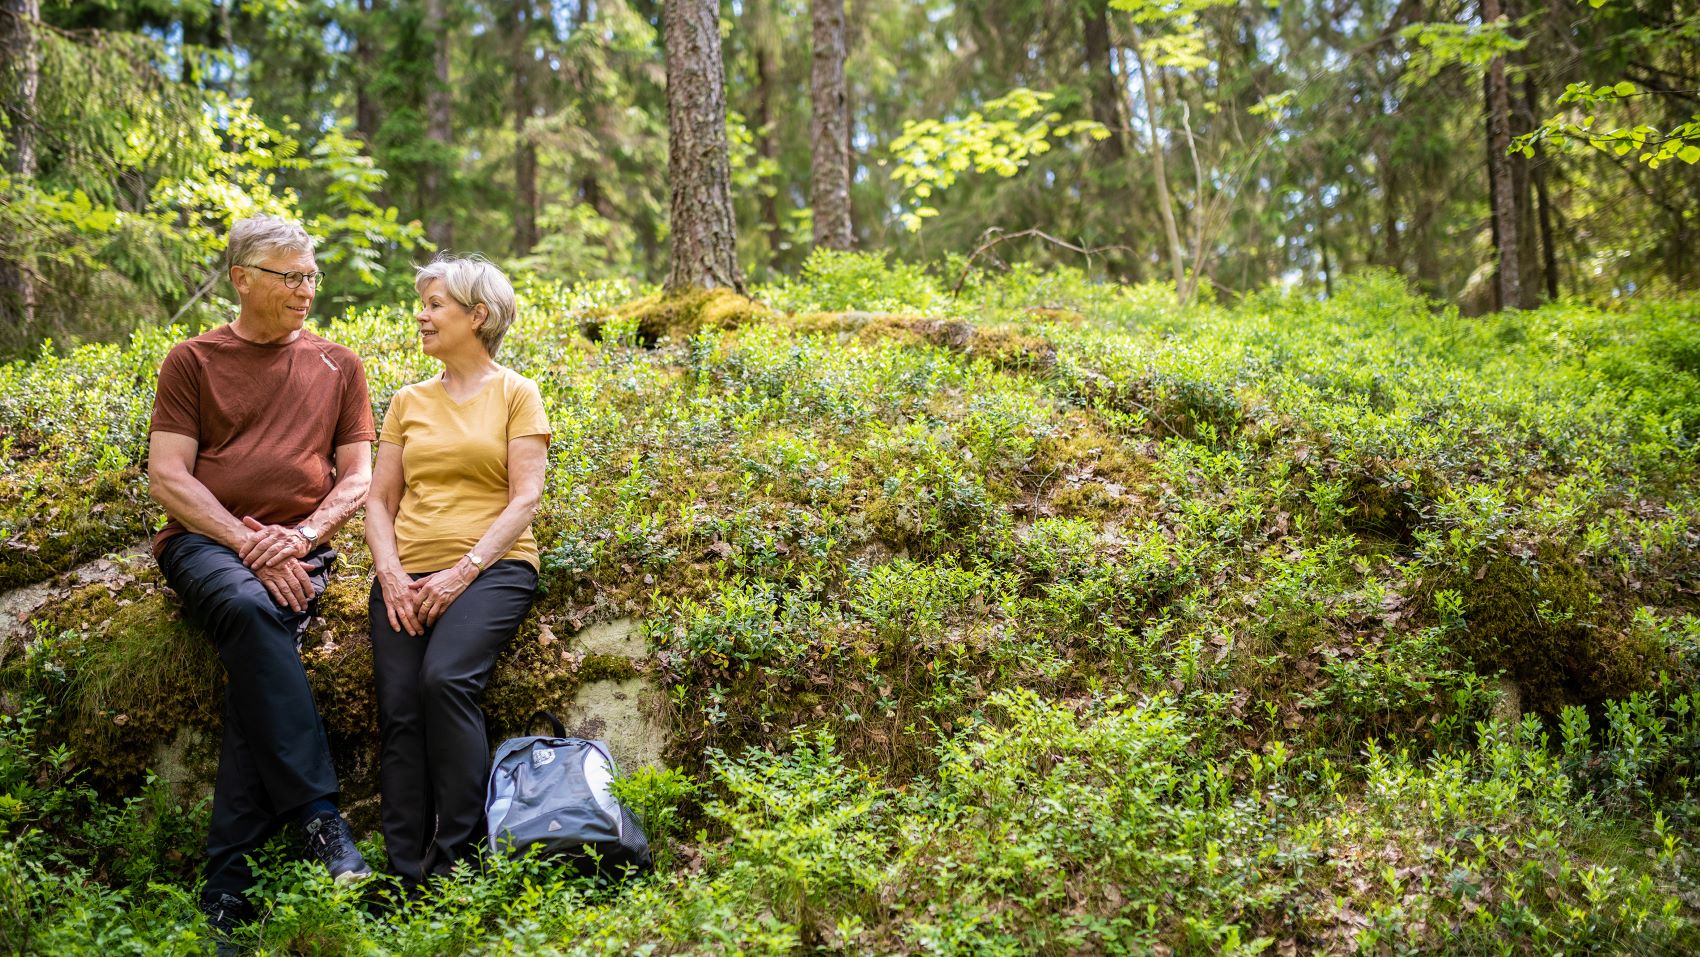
[[459, 473]]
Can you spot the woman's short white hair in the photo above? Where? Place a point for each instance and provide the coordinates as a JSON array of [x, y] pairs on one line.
[[259, 237], [471, 280]]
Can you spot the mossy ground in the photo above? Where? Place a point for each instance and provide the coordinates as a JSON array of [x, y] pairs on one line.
[[1059, 619], [676, 316]]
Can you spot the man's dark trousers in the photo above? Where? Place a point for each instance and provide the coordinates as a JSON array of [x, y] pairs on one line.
[[274, 757]]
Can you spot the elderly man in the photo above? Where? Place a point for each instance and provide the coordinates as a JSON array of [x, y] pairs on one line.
[[259, 449]]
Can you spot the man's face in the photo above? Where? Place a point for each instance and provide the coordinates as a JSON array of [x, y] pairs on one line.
[[267, 299]]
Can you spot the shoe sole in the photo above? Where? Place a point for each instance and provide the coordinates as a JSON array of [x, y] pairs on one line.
[[352, 877]]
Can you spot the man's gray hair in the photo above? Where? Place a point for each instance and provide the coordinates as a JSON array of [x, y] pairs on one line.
[[471, 280], [259, 237]]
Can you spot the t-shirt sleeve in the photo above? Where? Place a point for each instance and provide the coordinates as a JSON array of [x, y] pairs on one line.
[[525, 412], [177, 401], [354, 421], [391, 431]]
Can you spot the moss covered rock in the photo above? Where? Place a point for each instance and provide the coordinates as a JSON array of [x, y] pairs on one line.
[[51, 522], [677, 316], [138, 689], [1543, 621]]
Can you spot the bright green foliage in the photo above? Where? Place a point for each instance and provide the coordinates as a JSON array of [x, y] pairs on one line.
[[1651, 145], [1169, 30], [1470, 45], [1050, 618], [999, 138]]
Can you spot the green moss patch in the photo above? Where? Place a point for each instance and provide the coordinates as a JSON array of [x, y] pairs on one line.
[[676, 316], [51, 522], [1001, 346], [137, 673], [1541, 621]]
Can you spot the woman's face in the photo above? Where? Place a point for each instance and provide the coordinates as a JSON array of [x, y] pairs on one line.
[[445, 326]]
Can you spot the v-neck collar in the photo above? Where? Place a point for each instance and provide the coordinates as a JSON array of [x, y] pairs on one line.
[[471, 398]]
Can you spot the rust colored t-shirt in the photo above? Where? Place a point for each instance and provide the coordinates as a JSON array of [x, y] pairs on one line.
[[268, 419]]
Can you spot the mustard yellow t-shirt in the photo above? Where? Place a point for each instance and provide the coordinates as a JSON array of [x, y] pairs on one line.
[[454, 466]]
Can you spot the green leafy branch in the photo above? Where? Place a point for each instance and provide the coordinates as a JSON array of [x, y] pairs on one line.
[[1470, 45], [1652, 146], [1001, 138]]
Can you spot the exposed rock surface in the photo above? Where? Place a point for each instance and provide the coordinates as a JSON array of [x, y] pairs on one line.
[[626, 712], [18, 605]]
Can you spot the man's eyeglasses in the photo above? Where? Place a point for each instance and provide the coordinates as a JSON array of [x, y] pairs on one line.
[[294, 278]]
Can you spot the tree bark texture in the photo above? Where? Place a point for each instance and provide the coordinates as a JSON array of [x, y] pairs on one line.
[[439, 227], [1510, 283], [1522, 194], [365, 72], [829, 129], [523, 65], [1543, 206], [20, 72], [704, 233], [765, 42], [1101, 78]]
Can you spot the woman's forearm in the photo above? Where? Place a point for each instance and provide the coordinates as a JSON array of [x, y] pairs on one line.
[[506, 530], [383, 500], [527, 460], [380, 536]]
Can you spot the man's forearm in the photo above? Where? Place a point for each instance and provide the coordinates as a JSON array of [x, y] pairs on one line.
[[195, 506], [339, 506]]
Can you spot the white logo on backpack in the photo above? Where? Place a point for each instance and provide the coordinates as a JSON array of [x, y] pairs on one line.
[[542, 756]]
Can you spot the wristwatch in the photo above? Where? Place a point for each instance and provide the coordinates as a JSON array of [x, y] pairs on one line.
[[310, 533], [476, 559]]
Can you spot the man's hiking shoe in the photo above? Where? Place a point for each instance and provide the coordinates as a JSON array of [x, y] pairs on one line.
[[330, 843], [225, 912]]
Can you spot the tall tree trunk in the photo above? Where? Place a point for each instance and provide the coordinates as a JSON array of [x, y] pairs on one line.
[[589, 182], [226, 33], [829, 129], [1160, 171], [704, 232], [1510, 284], [365, 72], [439, 226], [1549, 254], [1101, 78], [1390, 216], [1322, 244], [523, 65], [1543, 205], [1522, 196], [19, 58], [765, 40]]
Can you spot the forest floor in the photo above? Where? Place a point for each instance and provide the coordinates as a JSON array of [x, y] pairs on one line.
[[1049, 618]]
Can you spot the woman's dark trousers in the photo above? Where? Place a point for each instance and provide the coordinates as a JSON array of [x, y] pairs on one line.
[[436, 757], [274, 757]]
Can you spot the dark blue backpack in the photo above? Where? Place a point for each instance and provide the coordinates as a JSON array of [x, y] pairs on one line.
[[552, 793]]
